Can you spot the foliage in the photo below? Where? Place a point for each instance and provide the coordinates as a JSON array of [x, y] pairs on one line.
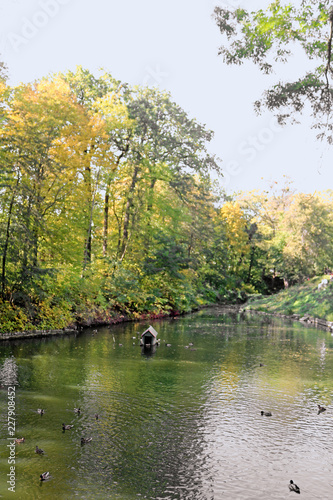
[[13, 318], [270, 37], [303, 299], [294, 232], [107, 210], [237, 239], [104, 190]]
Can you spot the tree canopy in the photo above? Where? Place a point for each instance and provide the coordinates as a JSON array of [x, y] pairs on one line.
[[102, 186], [277, 35], [107, 208]]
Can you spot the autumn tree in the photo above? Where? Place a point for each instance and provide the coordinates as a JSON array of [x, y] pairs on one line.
[[294, 232], [307, 228], [265, 210], [105, 195], [38, 136], [237, 240], [166, 149]]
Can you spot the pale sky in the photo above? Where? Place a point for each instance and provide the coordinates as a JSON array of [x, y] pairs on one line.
[[172, 45]]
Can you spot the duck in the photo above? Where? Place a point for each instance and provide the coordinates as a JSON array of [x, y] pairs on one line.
[[19, 440], [39, 450], [40, 411], [85, 440], [44, 476], [294, 487], [77, 410], [66, 427], [321, 409], [266, 413]]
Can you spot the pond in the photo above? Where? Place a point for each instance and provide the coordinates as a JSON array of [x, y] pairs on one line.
[[181, 422]]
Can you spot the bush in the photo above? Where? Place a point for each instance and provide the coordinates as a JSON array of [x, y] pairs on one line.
[[13, 319]]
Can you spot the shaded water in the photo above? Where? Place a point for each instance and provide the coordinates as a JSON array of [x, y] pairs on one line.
[[182, 422]]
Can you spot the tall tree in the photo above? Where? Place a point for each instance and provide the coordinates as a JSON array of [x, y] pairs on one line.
[[100, 99], [308, 233], [40, 124], [166, 147]]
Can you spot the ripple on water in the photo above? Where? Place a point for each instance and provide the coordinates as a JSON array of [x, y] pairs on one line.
[[175, 427]]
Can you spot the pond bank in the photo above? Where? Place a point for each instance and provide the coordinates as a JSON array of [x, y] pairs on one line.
[[75, 328], [90, 322], [115, 320], [306, 320]]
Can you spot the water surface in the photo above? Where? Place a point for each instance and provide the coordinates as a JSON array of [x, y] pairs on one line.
[[181, 422]]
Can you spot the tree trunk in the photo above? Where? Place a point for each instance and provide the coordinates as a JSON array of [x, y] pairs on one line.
[[149, 210], [106, 222], [5, 248], [87, 250], [106, 204], [129, 205]]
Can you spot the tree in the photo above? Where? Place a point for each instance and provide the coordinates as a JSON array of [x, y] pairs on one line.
[[40, 171], [166, 147], [105, 194], [268, 38], [99, 102], [294, 232], [308, 229], [266, 210], [237, 240], [3, 71]]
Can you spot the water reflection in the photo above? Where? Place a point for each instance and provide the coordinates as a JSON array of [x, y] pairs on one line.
[[148, 351], [185, 425]]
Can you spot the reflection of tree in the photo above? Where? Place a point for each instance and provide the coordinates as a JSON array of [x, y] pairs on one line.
[[322, 354]]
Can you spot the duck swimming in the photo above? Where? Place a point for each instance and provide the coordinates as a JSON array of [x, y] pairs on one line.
[[66, 427], [44, 476], [266, 413], [85, 440], [39, 450], [321, 409], [294, 487]]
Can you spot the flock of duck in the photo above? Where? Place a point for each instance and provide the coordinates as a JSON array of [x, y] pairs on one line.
[[65, 427], [292, 485]]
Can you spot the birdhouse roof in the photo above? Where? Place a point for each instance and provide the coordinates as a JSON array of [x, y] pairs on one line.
[[150, 331]]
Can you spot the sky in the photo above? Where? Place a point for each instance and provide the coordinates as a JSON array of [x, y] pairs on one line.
[[172, 45]]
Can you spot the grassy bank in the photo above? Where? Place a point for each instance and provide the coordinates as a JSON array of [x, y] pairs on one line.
[[304, 299]]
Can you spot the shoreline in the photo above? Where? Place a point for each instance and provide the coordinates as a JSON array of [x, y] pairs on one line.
[[306, 320], [90, 323]]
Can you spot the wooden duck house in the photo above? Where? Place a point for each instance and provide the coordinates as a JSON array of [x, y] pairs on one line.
[[149, 337]]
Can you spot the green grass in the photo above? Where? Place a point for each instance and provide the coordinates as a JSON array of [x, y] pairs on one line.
[[300, 299]]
